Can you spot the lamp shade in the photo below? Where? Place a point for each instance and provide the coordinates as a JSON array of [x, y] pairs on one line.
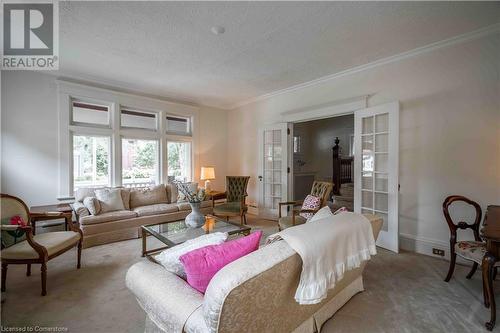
[[207, 173]]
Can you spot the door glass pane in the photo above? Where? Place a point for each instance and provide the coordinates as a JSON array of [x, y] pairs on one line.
[[268, 137], [367, 127], [382, 143], [268, 176], [381, 201], [179, 160], [367, 143], [381, 181], [277, 152], [277, 177], [139, 162], [277, 165], [277, 137], [88, 113], [382, 122], [367, 199], [138, 119], [381, 162], [276, 202], [267, 190], [367, 181], [91, 160], [277, 190]]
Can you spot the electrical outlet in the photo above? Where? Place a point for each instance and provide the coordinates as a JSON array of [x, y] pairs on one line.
[[438, 252]]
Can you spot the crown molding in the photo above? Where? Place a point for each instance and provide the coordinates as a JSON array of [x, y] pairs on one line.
[[489, 30]]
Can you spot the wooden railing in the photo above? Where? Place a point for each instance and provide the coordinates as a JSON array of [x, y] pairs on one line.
[[342, 170]]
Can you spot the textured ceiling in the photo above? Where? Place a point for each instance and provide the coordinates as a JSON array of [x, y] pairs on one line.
[[167, 49]]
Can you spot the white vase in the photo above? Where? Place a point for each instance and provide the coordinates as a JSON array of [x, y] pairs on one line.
[[195, 219]]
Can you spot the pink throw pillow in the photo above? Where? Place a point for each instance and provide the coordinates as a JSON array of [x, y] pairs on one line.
[[310, 202], [203, 263]]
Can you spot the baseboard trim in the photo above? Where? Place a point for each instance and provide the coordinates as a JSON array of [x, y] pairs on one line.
[[424, 246]]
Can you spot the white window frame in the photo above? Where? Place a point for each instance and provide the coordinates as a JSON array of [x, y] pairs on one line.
[[69, 91]]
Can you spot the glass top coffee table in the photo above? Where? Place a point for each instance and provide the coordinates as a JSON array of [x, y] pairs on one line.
[[176, 232]]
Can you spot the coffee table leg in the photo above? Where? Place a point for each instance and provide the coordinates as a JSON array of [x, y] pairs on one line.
[[143, 242]]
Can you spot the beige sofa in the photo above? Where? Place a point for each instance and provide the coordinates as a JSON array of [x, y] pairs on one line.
[[252, 294], [142, 206]]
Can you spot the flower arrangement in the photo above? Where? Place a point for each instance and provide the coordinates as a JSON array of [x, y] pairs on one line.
[[196, 196]]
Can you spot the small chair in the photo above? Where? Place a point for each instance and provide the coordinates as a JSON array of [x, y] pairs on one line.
[[236, 192], [319, 189], [24, 248], [469, 250]]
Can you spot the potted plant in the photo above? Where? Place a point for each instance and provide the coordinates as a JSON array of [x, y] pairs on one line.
[[195, 219]]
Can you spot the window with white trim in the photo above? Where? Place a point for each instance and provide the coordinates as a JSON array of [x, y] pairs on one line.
[[140, 164], [91, 161], [118, 139]]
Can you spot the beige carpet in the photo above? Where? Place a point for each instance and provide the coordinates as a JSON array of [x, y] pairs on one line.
[[404, 293]]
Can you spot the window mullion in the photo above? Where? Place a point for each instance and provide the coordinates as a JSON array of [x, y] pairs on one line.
[[116, 149]]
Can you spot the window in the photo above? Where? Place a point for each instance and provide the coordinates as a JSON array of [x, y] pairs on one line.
[[91, 161], [178, 125], [179, 161], [139, 162], [87, 113], [138, 119]]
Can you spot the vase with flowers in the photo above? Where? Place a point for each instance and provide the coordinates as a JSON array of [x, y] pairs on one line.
[[195, 219]]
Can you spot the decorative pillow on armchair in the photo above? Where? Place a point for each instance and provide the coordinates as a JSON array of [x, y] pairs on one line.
[[312, 203]]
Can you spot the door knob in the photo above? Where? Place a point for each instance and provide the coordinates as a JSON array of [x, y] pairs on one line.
[[260, 178]]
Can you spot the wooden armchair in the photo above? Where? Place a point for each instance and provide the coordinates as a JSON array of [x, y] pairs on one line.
[[319, 189], [20, 246], [236, 193]]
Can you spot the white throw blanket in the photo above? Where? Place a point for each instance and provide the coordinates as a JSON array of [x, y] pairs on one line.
[[328, 247]]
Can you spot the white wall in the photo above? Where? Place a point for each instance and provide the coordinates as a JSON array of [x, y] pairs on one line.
[[29, 127], [449, 128]]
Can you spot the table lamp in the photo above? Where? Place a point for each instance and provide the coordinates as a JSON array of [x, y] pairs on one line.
[[207, 174]]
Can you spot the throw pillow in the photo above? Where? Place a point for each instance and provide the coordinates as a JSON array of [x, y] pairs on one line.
[[170, 257], [10, 234], [92, 204], [109, 199], [310, 202], [193, 187], [202, 264], [340, 210], [320, 214]]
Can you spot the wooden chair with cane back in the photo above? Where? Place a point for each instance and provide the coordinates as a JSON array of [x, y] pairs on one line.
[[323, 190], [21, 247]]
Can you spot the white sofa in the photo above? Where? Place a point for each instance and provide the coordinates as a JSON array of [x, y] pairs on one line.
[[252, 294], [143, 206]]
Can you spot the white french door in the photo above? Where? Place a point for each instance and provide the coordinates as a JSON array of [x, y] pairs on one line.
[[273, 168], [376, 141]]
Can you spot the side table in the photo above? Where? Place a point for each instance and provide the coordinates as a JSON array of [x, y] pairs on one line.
[[51, 212]]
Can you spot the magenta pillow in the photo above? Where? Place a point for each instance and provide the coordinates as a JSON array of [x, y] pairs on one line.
[[310, 202], [203, 263]]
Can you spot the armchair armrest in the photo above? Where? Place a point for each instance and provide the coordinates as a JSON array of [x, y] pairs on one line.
[[288, 203], [40, 249]]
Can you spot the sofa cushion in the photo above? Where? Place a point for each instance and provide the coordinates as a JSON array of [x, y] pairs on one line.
[[172, 193], [148, 196], [186, 206], [126, 197], [107, 217], [52, 241], [156, 209]]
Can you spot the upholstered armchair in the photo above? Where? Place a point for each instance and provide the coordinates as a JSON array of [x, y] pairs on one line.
[[236, 192], [20, 246], [319, 189]]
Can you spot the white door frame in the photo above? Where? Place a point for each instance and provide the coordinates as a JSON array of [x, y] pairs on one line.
[[387, 239]]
